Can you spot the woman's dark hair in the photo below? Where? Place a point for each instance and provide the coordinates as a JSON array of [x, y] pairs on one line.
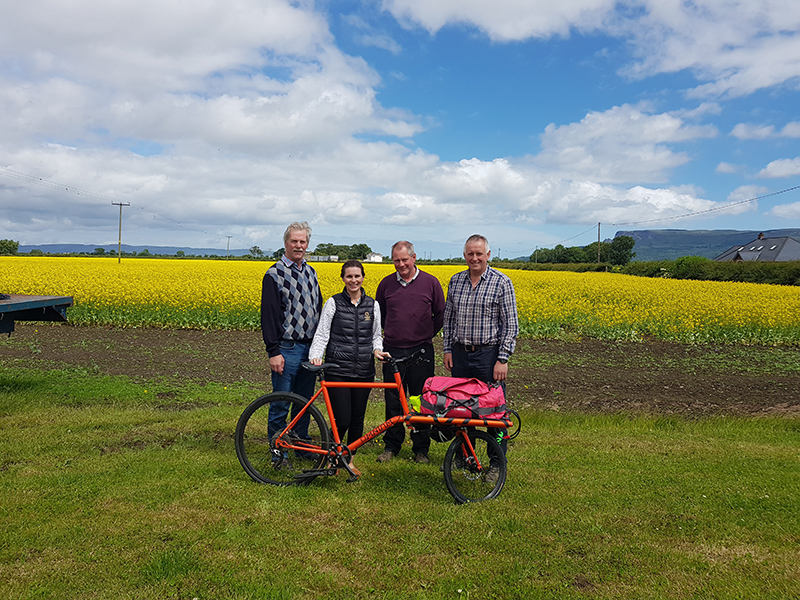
[[352, 263]]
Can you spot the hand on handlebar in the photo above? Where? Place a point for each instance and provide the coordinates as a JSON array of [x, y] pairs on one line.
[[315, 361], [381, 356]]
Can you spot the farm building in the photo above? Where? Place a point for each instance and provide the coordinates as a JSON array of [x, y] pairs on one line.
[[764, 249]]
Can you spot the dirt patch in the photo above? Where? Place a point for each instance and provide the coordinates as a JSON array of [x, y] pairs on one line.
[[585, 375]]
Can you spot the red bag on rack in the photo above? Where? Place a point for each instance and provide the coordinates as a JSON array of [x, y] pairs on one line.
[[462, 397]]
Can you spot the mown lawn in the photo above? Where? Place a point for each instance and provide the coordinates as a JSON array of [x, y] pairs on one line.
[[114, 489]]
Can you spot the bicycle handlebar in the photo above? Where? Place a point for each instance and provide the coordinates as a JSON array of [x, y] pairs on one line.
[[416, 356]]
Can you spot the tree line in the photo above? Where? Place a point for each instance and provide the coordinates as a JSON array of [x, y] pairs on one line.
[[618, 252], [355, 251]]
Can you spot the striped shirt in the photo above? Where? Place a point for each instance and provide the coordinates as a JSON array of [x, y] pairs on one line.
[[481, 316]]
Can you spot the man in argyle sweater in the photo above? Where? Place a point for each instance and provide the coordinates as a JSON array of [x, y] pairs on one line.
[[291, 304]]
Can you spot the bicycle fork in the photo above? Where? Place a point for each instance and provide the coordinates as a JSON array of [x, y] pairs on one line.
[[469, 455]]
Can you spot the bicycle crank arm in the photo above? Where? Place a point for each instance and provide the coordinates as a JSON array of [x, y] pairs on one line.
[[312, 473]]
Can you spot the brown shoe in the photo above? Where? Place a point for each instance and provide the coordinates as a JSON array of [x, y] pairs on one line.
[[492, 475], [385, 457], [421, 459]]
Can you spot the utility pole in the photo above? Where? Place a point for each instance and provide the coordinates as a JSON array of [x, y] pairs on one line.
[[228, 251], [598, 243], [119, 241]]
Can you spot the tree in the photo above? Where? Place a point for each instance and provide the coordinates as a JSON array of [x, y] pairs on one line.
[[180, 253], [622, 250], [343, 252], [356, 251], [359, 251], [99, 251], [144, 252], [278, 253], [9, 247], [590, 253], [256, 252]]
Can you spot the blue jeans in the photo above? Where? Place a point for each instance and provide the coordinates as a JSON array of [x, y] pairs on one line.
[[293, 379]]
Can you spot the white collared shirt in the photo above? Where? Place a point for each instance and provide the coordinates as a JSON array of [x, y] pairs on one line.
[[403, 282]]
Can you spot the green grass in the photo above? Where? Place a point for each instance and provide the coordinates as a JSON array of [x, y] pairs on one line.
[[112, 489]]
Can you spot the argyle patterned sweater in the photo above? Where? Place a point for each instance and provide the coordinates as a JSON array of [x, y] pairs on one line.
[[291, 304]]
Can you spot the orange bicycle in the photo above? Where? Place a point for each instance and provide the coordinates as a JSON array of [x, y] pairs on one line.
[[474, 465]]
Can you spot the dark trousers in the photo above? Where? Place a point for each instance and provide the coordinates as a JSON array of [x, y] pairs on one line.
[[413, 376], [349, 407], [480, 365]]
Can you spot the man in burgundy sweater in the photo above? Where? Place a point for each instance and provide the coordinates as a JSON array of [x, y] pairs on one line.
[[412, 311]]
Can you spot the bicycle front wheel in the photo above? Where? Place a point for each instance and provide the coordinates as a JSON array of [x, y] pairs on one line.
[[256, 439], [471, 480]]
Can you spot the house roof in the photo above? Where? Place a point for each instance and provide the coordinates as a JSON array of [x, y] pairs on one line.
[[777, 249]]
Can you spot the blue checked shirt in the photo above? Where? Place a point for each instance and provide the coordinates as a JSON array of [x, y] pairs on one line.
[[485, 315]]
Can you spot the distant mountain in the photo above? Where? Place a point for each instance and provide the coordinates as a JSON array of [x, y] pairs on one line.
[[112, 249], [669, 244]]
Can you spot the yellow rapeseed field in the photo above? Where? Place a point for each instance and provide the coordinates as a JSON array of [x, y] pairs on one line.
[[226, 294]]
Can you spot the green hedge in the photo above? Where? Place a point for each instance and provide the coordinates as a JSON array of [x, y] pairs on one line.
[[705, 269], [574, 267]]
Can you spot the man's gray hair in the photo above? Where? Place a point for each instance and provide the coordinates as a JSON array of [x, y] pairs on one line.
[[403, 244], [296, 226], [477, 238]]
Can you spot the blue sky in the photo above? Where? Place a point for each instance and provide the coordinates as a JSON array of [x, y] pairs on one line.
[[429, 121]]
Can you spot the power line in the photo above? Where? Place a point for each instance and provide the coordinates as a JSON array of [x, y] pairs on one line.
[[691, 214], [81, 192], [53, 185], [709, 210], [592, 228]]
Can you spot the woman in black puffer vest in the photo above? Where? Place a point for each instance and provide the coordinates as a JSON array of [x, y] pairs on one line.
[[349, 334]]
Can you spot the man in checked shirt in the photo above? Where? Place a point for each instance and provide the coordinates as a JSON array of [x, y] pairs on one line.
[[480, 319]]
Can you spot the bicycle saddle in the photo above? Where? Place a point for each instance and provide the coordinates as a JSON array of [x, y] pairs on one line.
[[316, 368]]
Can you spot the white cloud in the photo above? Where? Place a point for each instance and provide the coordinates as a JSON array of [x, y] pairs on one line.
[[749, 131], [725, 167], [784, 167], [786, 211], [503, 20], [258, 77], [232, 119], [150, 45], [747, 193], [746, 131], [623, 144], [791, 130], [735, 46]]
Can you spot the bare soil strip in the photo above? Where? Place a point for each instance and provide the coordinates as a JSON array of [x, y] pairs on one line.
[[584, 375]]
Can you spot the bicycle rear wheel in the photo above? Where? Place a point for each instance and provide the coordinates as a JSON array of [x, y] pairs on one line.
[[255, 439], [471, 481]]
